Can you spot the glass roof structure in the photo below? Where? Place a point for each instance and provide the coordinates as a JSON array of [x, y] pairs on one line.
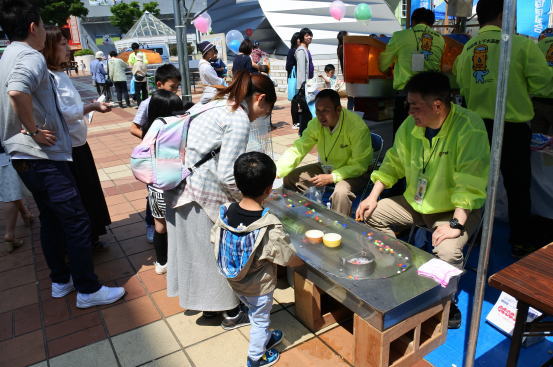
[[149, 26]]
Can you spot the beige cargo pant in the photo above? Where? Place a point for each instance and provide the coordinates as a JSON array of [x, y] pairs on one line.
[[396, 212], [344, 193]]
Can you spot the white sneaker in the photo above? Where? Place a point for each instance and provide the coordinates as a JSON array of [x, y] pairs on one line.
[[295, 126], [60, 290], [103, 296], [160, 269]]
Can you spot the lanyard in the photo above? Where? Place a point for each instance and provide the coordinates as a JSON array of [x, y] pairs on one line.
[[416, 39], [335, 141], [424, 165]]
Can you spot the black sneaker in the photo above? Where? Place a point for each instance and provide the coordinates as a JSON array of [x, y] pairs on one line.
[[210, 314], [234, 322], [455, 317]]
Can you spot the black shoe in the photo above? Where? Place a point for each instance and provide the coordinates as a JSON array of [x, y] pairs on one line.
[[234, 322], [210, 314], [455, 317], [209, 318]]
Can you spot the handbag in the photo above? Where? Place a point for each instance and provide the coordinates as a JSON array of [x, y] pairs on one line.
[[292, 83], [109, 83], [139, 76]]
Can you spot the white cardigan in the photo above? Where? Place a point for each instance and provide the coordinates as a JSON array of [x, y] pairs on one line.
[[71, 106]]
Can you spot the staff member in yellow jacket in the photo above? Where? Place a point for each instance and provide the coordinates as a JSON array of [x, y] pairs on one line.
[[543, 102], [135, 51], [442, 151], [412, 50], [476, 70], [344, 145]]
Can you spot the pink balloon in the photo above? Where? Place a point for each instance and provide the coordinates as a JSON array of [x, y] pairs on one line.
[[202, 23], [337, 9]]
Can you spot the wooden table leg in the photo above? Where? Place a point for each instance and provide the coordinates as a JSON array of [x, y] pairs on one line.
[[516, 340]]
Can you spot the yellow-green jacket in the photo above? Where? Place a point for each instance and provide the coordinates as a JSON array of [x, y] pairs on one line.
[[546, 47], [457, 171], [476, 70], [348, 149], [403, 44], [132, 58]]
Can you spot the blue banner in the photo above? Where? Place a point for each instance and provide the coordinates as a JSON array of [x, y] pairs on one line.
[[438, 6], [415, 4], [532, 16]]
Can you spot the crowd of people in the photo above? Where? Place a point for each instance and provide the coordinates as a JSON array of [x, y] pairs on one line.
[[217, 244]]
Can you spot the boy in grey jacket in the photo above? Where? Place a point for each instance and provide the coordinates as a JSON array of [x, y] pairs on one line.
[[249, 244]]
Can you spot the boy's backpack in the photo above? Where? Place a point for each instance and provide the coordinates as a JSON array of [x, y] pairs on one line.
[[159, 159]]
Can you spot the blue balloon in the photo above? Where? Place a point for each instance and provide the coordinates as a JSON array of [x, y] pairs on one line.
[[234, 38], [234, 45]]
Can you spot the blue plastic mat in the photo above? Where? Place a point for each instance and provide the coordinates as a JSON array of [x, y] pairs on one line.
[[493, 346]]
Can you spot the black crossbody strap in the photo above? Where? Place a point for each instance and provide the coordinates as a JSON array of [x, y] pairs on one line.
[[207, 157]]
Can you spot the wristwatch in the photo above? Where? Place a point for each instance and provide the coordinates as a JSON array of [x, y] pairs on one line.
[[454, 223], [31, 134]]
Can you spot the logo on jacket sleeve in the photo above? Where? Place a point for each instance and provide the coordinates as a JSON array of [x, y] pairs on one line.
[[426, 45], [479, 63]]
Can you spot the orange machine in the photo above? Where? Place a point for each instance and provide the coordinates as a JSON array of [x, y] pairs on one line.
[[153, 57], [361, 55], [452, 49]]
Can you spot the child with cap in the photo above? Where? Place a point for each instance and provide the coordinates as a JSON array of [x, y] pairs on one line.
[[208, 75]]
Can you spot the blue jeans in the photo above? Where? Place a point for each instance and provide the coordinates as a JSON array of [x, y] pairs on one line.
[[64, 222], [259, 312]]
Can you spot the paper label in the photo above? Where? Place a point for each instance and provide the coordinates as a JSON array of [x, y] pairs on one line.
[[417, 62], [422, 183]]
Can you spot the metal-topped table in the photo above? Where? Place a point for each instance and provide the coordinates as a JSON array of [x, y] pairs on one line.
[[392, 296]]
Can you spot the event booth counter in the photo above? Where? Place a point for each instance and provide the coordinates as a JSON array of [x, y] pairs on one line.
[[399, 316]]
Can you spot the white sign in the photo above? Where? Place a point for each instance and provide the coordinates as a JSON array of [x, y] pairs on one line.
[[504, 313]]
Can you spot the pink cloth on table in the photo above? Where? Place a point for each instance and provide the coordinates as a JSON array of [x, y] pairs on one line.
[[439, 270]]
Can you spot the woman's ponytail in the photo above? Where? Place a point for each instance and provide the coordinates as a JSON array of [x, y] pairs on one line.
[[245, 85]]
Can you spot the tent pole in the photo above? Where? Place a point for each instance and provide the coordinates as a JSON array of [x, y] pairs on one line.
[[408, 15], [507, 31], [182, 51]]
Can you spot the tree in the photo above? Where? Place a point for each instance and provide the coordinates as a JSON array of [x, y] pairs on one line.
[[125, 15], [57, 11], [152, 8]]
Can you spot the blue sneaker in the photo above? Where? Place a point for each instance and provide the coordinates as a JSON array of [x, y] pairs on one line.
[[150, 234], [275, 339], [270, 357]]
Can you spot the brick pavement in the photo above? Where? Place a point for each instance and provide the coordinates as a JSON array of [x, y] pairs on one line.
[[146, 327]]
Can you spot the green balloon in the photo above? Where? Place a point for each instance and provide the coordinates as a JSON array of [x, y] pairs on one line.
[[363, 12]]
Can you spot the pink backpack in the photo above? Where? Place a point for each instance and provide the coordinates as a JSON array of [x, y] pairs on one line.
[[159, 159]]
